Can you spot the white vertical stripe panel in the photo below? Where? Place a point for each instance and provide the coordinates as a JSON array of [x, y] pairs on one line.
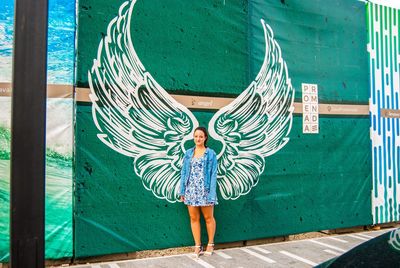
[[389, 191]]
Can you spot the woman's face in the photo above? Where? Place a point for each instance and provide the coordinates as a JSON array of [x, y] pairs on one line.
[[199, 138]]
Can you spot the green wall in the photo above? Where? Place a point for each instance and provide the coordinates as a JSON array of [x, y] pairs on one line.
[[188, 46], [215, 48], [208, 48], [315, 182], [322, 42]]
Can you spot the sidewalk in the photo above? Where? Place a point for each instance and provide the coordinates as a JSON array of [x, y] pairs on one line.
[[298, 253]]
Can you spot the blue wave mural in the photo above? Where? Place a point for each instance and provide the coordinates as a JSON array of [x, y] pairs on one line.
[[61, 34]]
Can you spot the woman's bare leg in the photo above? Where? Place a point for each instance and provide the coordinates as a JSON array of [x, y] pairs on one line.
[[208, 213], [194, 213]]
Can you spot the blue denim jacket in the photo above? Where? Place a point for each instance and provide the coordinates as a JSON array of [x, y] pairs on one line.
[[210, 172]]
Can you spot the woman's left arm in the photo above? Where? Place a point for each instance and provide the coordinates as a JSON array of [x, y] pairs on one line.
[[213, 180]]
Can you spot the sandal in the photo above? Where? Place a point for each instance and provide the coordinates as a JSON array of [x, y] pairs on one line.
[[198, 250], [209, 252]]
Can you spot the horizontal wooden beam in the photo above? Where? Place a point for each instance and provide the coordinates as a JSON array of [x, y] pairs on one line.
[[390, 113], [53, 90], [216, 103]]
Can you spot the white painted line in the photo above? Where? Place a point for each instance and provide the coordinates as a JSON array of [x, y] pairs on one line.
[[338, 239], [223, 255], [113, 265], [376, 233], [95, 266], [201, 262], [255, 254], [366, 236], [332, 252], [358, 237], [298, 258], [261, 250], [327, 245]]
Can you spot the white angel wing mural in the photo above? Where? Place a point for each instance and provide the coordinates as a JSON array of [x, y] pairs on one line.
[[255, 125], [136, 117]]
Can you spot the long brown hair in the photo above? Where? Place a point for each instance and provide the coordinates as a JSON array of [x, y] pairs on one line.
[[204, 130]]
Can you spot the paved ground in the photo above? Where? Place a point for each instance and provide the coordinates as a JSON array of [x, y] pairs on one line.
[[299, 253]]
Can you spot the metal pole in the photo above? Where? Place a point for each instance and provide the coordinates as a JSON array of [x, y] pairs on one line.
[[28, 128]]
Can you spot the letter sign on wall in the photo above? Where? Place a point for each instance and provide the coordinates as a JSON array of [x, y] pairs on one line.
[[310, 108]]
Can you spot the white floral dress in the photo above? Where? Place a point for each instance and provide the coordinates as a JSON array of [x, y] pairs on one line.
[[195, 192]]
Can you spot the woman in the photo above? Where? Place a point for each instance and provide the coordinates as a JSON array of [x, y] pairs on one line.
[[198, 188]]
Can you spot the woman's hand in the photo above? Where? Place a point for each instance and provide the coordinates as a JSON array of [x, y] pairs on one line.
[[182, 198]]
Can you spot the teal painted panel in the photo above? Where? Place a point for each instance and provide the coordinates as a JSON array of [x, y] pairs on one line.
[[315, 182], [188, 46], [322, 42], [217, 47]]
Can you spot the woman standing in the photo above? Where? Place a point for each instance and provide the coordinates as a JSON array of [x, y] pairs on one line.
[[198, 188]]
